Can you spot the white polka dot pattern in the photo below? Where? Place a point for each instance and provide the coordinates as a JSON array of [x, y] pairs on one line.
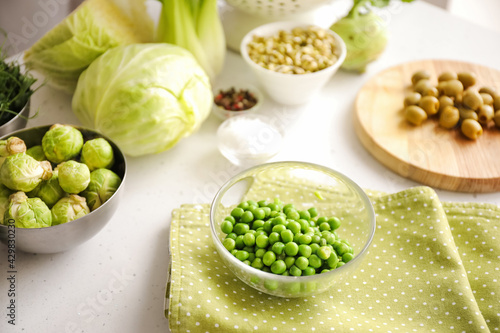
[[432, 267]]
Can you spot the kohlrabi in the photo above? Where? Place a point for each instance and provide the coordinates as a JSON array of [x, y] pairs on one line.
[[364, 33]]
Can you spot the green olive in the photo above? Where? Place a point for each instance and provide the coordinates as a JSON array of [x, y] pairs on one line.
[[429, 104], [432, 91], [488, 90], [452, 88], [471, 129], [496, 101], [445, 101], [472, 99], [449, 117], [412, 98], [468, 79], [466, 113], [487, 98], [496, 118], [447, 76], [415, 115], [419, 75], [422, 86], [485, 114]]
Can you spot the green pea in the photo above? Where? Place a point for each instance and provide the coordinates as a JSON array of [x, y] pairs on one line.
[[291, 249], [322, 242], [266, 269], [237, 212], [247, 262], [289, 261], [332, 261], [274, 237], [295, 271], [340, 247], [279, 220], [279, 228], [315, 261], [232, 235], [304, 214], [241, 228], [325, 270], [285, 273], [262, 241], [288, 207], [249, 239], [251, 256], [229, 244], [340, 263], [239, 242], [271, 284], [309, 271], [234, 251], [247, 217], [297, 236], [230, 219], [257, 263], [321, 219], [346, 257], [278, 248], [243, 205], [314, 247], [305, 239], [305, 250], [269, 258], [292, 214], [226, 227], [278, 267], [260, 253], [274, 207], [304, 224], [262, 203], [324, 252], [313, 212], [334, 223], [242, 255], [267, 211], [259, 214], [302, 262], [315, 238], [294, 226], [252, 203], [268, 226], [259, 232], [286, 236], [251, 232], [330, 238], [258, 224], [324, 226]]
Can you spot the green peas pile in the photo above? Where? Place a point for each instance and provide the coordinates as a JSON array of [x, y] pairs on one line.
[[278, 238]]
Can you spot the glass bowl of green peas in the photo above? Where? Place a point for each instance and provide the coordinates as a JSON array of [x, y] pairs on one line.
[[291, 229]]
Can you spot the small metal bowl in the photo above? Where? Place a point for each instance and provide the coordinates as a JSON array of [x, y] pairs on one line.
[[62, 237], [18, 122]]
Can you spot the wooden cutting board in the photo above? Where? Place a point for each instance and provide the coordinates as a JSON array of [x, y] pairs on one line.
[[428, 154]]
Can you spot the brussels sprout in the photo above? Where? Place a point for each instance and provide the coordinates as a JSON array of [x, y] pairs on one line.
[[74, 176], [37, 153], [97, 153], [22, 172], [61, 143], [48, 190], [11, 146], [28, 212], [68, 209], [103, 183], [5, 192]]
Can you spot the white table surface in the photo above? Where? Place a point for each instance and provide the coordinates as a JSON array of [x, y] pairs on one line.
[[70, 292]]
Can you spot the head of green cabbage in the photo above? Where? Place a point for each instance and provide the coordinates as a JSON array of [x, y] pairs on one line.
[[144, 97]]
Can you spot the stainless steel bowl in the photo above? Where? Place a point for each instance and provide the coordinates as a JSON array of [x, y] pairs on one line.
[[65, 236], [18, 122]]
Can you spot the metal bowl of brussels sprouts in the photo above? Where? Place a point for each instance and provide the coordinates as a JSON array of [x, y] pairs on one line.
[[292, 229], [59, 186]]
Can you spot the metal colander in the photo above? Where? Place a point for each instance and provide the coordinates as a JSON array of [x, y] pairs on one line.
[[276, 8]]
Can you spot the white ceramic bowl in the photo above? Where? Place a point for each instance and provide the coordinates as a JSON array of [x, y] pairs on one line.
[[290, 89], [280, 8]]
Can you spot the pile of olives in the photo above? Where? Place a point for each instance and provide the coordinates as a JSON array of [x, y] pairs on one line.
[[455, 101]]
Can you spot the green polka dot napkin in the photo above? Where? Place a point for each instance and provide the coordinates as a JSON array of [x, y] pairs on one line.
[[432, 267]]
